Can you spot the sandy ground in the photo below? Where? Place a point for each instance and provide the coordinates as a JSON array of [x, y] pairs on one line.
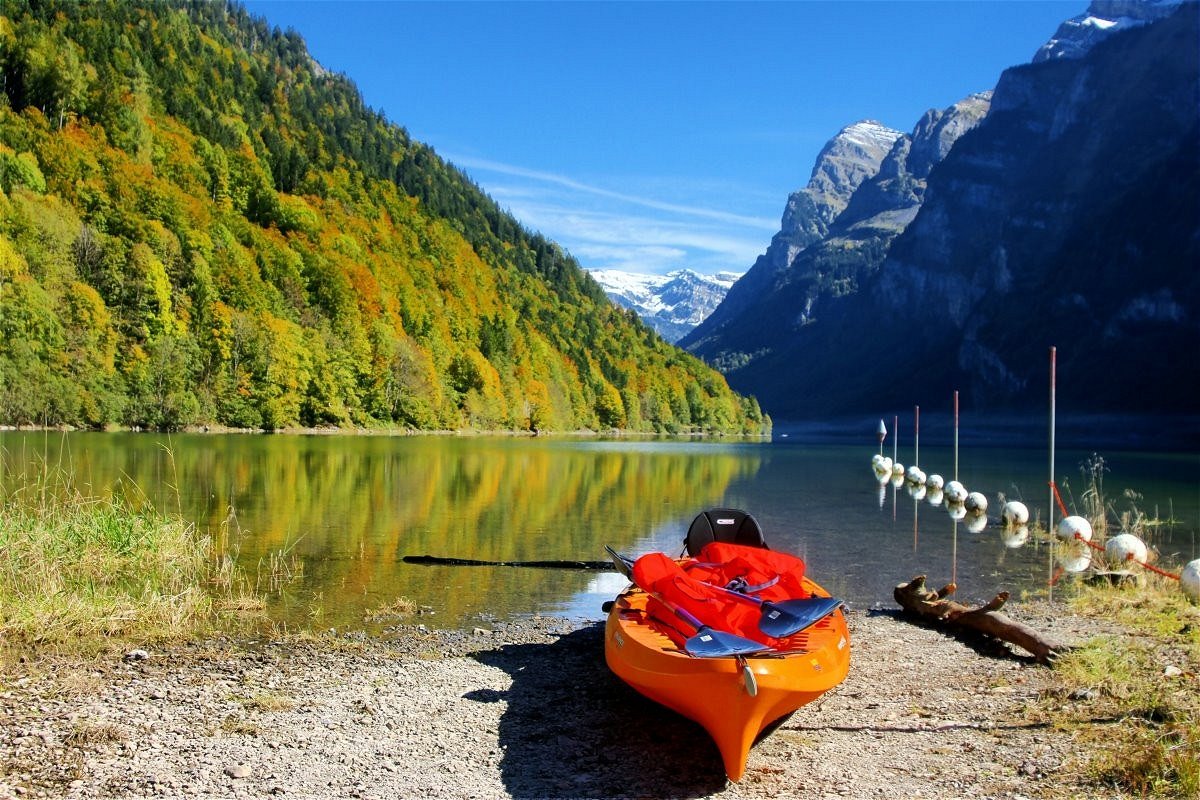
[[525, 710]]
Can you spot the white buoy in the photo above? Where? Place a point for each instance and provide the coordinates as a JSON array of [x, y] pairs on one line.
[[935, 481], [976, 522], [976, 503], [956, 493], [1126, 547], [915, 475], [1189, 580], [1072, 528], [1015, 513], [1014, 536], [882, 466], [897, 469]]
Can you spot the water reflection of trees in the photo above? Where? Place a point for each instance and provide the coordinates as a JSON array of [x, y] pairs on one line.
[[350, 507]]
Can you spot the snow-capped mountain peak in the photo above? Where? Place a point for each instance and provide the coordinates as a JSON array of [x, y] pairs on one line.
[[672, 304], [1102, 19]]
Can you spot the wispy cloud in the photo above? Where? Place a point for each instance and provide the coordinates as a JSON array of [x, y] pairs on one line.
[[607, 229], [478, 164]]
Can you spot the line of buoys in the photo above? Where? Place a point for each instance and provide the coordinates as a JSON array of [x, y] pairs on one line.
[[1074, 531], [934, 488]]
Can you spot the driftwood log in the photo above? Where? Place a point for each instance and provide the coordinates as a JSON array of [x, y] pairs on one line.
[[986, 620]]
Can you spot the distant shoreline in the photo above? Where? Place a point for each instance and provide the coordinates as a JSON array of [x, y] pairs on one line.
[[1170, 433], [336, 431]]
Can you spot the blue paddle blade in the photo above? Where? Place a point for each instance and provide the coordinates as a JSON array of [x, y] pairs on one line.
[[709, 643], [789, 617]]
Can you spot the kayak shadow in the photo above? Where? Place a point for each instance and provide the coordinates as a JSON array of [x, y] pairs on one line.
[[572, 729]]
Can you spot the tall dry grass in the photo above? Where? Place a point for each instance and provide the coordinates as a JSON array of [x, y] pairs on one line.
[[82, 574]]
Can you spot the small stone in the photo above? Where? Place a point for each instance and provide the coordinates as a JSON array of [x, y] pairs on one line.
[[1172, 671], [238, 771], [137, 655]]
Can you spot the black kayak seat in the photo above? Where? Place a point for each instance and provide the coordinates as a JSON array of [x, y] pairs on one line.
[[723, 525]]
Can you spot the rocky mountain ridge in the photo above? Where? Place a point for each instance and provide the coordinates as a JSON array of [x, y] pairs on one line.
[[1076, 36], [846, 160], [792, 279]]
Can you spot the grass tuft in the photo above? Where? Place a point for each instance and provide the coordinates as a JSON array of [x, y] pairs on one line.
[[1142, 720], [83, 575]]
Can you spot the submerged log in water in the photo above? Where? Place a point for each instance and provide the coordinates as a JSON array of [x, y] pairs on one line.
[[471, 562]]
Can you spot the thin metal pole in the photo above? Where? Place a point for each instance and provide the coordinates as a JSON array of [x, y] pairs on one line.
[[1050, 512], [917, 435], [1050, 504], [895, 457], [956, 436]]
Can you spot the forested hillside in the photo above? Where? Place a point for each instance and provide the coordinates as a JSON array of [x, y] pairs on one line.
[[198, 224]]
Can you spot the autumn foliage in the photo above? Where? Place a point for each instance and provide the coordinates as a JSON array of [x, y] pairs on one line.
[[200, 225]]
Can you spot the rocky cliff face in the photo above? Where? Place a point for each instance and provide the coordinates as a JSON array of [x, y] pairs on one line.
[[848, 159], [1070, 219], [1075, 37], [771, 300], [1069, 216]]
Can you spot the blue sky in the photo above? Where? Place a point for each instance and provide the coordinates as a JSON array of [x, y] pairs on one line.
[[652, 136]]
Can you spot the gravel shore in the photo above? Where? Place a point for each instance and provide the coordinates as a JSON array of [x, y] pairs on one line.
[[523, 710]]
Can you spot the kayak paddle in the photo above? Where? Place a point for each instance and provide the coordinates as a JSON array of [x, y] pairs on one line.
[[780, 619], [707, 642]]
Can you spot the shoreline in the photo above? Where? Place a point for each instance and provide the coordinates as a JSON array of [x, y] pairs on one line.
[[465, 433], [523, 710]]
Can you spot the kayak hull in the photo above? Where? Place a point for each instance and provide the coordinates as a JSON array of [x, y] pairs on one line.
[[733, 698]]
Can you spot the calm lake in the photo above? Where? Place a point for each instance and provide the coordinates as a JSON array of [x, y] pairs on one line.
[[347, 509]]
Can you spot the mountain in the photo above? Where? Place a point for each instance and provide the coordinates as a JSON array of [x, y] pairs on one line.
[[671, 304], [201, 225], [1069, 216], [846, 160], [787, 285]]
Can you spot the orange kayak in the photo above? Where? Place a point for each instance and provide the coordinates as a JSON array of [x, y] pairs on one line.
[[733, 697]]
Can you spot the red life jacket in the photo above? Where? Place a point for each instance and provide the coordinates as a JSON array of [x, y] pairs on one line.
[[693, 587]]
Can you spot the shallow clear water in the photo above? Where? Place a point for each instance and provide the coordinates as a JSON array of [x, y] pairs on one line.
[[348, 508]]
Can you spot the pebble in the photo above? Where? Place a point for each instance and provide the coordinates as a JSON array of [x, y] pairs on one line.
[[516, 709]]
